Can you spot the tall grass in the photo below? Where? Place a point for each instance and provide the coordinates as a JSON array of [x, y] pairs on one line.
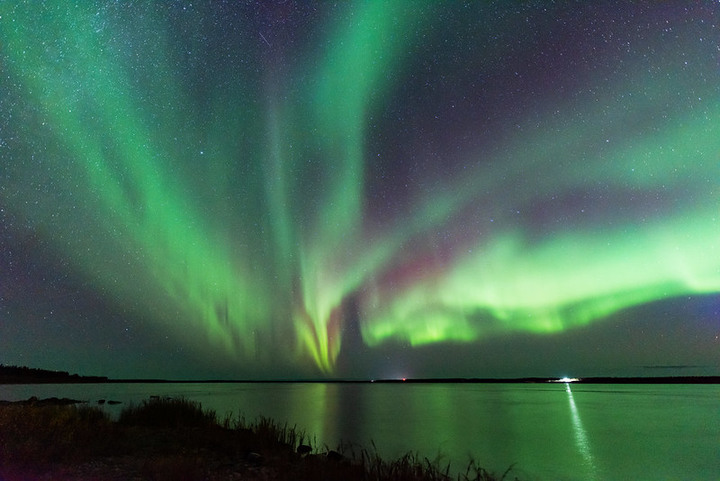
[[176, 438], [30, 434], [271, 433], [167, 413]]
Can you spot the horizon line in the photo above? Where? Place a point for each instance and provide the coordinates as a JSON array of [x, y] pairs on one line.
[[713, 379]]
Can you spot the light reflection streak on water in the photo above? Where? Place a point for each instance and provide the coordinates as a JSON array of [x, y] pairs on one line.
[[581, 439]]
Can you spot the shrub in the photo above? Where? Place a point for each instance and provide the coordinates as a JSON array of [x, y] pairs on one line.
[[50, 433], [167, 413]]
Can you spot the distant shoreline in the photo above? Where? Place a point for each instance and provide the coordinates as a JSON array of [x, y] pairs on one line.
[[24, 375], [588, 380]]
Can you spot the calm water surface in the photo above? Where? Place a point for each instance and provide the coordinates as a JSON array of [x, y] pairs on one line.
[[547, 431]]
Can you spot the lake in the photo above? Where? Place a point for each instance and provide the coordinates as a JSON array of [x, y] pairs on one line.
[[552, 431]]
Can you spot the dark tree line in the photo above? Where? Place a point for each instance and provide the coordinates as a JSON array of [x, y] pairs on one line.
[[30, 375]]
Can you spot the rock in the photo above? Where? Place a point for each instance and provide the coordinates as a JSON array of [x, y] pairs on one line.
[[333, 455], [53, 401], [254, 458], [303, 449]]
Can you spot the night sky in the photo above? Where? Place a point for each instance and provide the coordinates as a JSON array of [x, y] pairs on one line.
[[364, 189]]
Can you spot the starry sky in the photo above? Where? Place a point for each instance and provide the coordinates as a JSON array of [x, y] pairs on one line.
[[370, 189]]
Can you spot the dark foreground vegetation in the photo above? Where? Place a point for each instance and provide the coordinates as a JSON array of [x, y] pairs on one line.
[[175, 439]]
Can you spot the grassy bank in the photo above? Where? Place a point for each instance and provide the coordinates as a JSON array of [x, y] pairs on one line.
[[175, 439]]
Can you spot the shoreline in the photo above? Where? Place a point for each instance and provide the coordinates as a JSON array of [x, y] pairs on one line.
[[593, 380], [176, 439], [27, 375]]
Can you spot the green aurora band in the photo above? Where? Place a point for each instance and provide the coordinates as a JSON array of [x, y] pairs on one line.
[[232, 207]]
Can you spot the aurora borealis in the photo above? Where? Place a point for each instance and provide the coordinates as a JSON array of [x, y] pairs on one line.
[[279, 189]]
